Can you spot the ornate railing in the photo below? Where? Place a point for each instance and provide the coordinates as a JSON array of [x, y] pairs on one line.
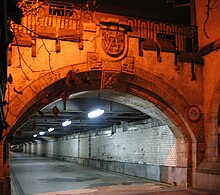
[[65, 16], [183, 37]]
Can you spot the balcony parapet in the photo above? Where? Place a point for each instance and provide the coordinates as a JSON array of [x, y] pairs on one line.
[[65, 22]]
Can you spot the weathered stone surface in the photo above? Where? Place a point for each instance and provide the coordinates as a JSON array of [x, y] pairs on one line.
[[149, 44], [68, 35], [16, 105], [165, 45], [23, 40], [171, 90], [46, 31]]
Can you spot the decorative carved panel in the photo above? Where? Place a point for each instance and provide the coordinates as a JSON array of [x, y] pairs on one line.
[[113, 42], [194, 113], [88, 16], [109, 78], [113, 39], [94, 60], [127, 64]]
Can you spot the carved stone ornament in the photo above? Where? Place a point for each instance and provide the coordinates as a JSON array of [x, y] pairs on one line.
[[88, 16], [127, 64], [112, 43], [194, 113], [94, 60], [109, 78]]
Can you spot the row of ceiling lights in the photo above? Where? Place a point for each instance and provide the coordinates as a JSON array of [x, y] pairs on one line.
[[91, 114]]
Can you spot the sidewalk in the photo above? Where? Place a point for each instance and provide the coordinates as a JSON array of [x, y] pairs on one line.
[[135, 189]]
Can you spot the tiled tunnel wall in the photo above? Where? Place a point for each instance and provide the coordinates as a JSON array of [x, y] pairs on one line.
[[146, 149]]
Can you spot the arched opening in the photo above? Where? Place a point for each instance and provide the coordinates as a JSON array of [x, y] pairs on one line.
[[127, 90]]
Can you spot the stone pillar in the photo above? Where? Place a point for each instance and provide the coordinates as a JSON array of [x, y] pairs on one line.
[[5, 186], [184, 158]]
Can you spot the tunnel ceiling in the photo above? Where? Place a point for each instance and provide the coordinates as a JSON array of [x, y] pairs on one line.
[[76, 110]]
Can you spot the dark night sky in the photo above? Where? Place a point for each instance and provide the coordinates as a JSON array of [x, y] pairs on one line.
[[162, 10]]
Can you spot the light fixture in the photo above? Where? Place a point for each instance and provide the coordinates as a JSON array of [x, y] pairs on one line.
[[66, 123], [35, 135], [51, 129], [41, 133], [95, 113], [108, 132]]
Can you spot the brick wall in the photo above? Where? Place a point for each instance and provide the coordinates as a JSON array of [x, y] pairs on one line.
[[144, 142], [145, 149], [141, 143]]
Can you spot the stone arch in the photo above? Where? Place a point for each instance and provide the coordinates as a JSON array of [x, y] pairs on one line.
[[168, 101], [143, 84], [212, 124]]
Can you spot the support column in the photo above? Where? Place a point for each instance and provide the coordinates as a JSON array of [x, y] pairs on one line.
[[79, 145], [5, 185]]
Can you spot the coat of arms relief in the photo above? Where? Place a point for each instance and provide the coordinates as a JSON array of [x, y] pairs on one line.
[[113, 42], [113, 39], [111, 53]]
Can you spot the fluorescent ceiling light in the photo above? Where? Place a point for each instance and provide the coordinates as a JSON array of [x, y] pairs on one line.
[[108, 133], [41, 133], [51, 129], [66, 123], [35, 135], [95, 113]]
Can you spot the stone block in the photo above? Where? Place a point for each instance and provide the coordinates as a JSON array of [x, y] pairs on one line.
[[46, 31], [207, 181], [88, 26], [119, 167], [153, 172], [27, 95], [68, 35], [129, 169], [105, 165], [51, 78], [16, 105], [23, 40], [11, 118], [149, 44], [63, 71], [38, 85], [111, 166], [166, 46], [173, 174], [141, 171]]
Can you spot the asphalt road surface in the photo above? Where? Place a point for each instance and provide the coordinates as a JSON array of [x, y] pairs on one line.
[[44, 176]]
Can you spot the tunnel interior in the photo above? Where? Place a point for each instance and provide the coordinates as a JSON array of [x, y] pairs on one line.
[[133, 136]]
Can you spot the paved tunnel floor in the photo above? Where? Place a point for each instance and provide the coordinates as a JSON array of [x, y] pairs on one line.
[[43, 176]]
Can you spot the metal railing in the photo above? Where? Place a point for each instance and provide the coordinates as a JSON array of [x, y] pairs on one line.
[[183, 37], [65, 16]]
